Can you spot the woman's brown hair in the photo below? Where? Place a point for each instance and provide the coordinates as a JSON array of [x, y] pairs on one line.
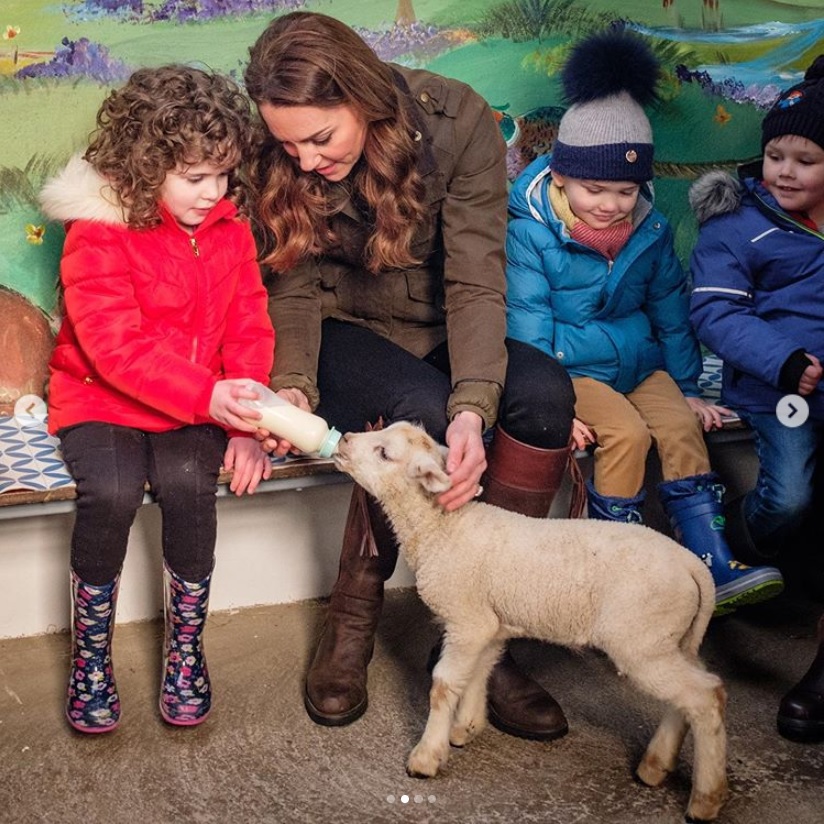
[[310, 59], [163, 119]]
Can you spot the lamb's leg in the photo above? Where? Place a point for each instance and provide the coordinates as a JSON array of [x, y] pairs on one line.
[[700, 698], [470, 717], [452, 673], [662, 753], [709, 781]]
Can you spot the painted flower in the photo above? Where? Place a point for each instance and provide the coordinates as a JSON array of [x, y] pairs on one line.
[[11, 32], [34, 234]]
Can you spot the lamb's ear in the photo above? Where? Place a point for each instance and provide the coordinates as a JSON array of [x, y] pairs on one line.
[[430, 474]]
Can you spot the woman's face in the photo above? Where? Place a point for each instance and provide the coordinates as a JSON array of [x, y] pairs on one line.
[[327, 141]]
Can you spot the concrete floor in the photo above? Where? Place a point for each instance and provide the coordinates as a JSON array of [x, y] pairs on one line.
[[259, 758]]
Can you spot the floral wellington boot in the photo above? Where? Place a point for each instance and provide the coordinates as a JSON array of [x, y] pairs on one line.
[[92, 703], [186, 694]]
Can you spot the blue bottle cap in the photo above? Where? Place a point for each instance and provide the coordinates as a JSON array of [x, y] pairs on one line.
[[329, 444]]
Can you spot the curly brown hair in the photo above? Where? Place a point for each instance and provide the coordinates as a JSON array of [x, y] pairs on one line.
[[310, 59], [163, 119]]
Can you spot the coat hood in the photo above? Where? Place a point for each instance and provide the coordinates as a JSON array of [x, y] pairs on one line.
[[79, 192], [715, 193], [528, 198]]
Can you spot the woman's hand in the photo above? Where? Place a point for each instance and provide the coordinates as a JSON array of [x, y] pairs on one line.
[[268, 440], [224, 407], [466, 460], [248, 462], [710, 414]]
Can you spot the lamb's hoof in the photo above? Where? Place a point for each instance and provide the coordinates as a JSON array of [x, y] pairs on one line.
[[651, 772], [705, 806], [424, 763]]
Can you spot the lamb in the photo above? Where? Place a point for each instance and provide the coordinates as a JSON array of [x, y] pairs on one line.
[[488, 575]]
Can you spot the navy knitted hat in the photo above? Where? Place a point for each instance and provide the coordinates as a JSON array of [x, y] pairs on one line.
[[605, 134], [799, 110]]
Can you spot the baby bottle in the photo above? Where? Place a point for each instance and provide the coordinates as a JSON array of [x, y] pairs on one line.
[[302, 429]]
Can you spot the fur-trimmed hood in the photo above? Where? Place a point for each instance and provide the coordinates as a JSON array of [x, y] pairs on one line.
[[79, 192], [715, 193]]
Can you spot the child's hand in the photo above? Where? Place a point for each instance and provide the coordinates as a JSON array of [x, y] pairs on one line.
[[248, 462], [582, 435], [224, 406], [811, 376], [710, 414], [270, 442]]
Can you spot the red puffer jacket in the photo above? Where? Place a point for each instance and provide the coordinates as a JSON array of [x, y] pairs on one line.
[[153, 318]]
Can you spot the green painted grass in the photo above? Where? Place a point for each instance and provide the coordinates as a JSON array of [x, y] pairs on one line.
[[54, 118]]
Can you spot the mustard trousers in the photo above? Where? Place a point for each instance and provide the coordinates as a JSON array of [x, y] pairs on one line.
[[627, 425]]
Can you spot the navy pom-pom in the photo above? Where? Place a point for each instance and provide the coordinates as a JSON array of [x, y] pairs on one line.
[[606, 64]]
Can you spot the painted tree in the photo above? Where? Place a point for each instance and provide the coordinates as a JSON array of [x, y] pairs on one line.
[[405, 15], [711, 16]]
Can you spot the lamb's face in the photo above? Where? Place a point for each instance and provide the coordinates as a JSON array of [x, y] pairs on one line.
[[400, 455]]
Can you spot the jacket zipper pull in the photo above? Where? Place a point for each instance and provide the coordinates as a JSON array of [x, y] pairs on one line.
[[195, 247]]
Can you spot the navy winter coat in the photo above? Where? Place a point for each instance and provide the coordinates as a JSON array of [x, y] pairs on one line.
[[758, 296]]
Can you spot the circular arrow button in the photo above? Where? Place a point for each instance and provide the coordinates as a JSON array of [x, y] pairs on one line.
[[792, 411]]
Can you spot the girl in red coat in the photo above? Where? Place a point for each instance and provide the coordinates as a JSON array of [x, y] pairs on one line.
[[165, 323]]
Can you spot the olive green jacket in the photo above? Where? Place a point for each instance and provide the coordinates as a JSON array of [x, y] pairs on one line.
[[456, 294]]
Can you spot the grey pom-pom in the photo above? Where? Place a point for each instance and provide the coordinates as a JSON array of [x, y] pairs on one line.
[[714, 193]]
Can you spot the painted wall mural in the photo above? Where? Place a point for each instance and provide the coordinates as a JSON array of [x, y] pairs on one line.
[[725, 60]]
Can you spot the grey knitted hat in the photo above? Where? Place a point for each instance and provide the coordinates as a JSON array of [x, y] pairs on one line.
[[605, 134]]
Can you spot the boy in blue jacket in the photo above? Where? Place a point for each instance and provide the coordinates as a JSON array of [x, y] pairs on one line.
[[758, 302], [593, 280]]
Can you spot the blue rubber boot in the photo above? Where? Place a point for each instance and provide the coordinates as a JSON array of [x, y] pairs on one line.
[[696, 514], [92, 702], [606, 508], [186, 692]]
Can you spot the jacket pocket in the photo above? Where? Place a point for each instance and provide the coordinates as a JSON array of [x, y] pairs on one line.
[[423, 299]]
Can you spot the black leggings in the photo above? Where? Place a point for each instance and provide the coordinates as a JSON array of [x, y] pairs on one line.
[[111, 464], [363, 376]]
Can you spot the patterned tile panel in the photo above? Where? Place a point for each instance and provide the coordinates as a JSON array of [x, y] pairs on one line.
[[30, 457]]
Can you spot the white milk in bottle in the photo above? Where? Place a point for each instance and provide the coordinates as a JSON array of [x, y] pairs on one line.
[[308, 432]]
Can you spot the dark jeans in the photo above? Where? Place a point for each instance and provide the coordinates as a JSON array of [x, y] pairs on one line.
[[111, 464], [363, 376], [783, 493]]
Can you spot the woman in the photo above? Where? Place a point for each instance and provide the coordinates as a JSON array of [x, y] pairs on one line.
[[381, 198]]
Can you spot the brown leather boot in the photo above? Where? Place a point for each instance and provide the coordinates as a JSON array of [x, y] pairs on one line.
[[523, 479], [335, 690], [801, 712]]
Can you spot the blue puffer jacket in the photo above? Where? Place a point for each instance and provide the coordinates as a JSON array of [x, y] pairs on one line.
[[616, 322], [758, 297]]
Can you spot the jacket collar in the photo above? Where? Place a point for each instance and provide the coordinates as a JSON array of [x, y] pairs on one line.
[[222, 210], [341, 194]]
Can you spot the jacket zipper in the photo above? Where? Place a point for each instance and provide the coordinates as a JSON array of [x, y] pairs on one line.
[[785, 218], [196, 252]]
